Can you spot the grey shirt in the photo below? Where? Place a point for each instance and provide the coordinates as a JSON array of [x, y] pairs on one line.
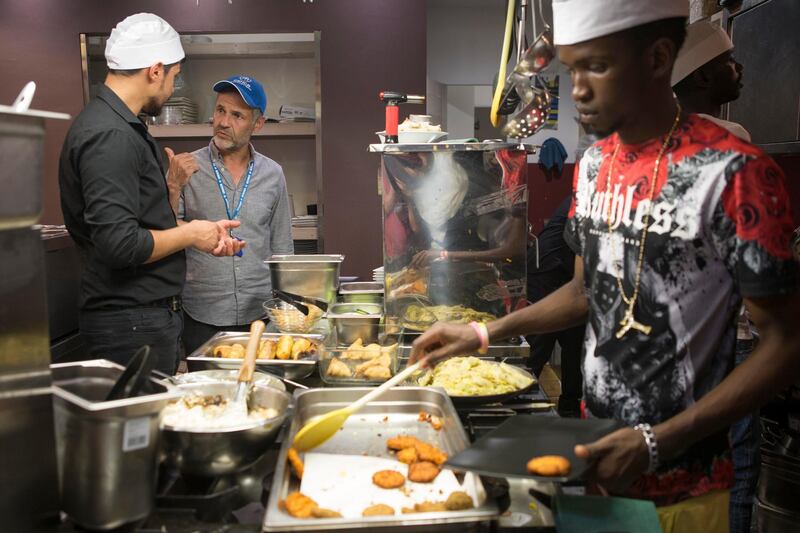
[[226, 291]]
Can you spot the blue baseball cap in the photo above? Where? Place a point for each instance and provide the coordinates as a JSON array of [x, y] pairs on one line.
[[250, 90]]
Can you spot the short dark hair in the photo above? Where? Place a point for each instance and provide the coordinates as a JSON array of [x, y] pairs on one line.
[[673, 29], [133, 71]]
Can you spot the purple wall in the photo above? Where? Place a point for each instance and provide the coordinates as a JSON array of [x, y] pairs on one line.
[[366, 46]]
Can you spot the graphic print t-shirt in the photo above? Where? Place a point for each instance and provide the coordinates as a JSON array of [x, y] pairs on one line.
[[720, 230]]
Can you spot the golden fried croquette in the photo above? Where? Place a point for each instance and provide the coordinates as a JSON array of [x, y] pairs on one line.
[[299, 505], [380, 509], [401, 442], [295, 462], [319, 512], [408, 455], [426, 507], [388, 479], [422, 472], [458, 501], [338, 369], [430, 453], [549, 465]]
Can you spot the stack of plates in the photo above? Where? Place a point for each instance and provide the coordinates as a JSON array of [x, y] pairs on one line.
[[179, 110], [377, 274], [304, 221]]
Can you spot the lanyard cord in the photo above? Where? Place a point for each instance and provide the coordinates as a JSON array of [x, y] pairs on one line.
[[225, 194]]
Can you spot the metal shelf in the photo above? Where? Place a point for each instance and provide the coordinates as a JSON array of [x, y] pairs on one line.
[[270, 129]]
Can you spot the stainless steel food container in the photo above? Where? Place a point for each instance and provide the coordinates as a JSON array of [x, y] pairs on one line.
[[107, 451], [352, 321], [361, 292], [307, 275], [395, 413], [216, 452], [203, 359]]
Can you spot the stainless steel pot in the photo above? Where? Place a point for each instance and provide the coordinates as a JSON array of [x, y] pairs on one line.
[[353, 321], [361, 292], [307, 275], [779, 481], [107, 451], [215, 452], [260, 379]]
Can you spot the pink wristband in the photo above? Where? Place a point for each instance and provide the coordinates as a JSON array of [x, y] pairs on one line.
[[483, 335]]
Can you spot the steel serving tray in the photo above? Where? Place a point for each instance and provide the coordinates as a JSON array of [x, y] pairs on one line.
[[202, 358], [366, 432]]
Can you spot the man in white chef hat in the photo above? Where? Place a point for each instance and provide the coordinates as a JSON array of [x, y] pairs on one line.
[[115, 204], [706, 76], [674, 222]]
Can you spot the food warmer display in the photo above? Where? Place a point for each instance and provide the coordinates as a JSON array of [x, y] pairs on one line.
[[454, 234]]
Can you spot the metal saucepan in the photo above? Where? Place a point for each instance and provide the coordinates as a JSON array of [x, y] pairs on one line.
[[260, 379], [215, 452]]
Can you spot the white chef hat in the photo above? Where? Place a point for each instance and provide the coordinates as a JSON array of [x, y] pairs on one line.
[[142, 40], [704, 42], [575, 21]]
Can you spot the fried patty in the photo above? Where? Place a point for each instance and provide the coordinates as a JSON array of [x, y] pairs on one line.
[[295, 462], [380, 509], [401, 442], [299, 505], [549, 465], [422, 472], [458, 501], [407, 456], [388, 479]]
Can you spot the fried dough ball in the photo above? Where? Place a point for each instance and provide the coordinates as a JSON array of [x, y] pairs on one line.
[[380, 509], [299, 505], [426, 507], [295, 462], [388, 479], [549, 465], [319, 512], [458, 501], [401, 442], [408, 456], [422, 472], [430, 453]]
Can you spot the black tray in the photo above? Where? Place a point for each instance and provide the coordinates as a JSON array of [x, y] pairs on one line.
[[506, 450]]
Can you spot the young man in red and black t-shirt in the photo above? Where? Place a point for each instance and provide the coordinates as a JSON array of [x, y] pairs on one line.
[[675, 222]]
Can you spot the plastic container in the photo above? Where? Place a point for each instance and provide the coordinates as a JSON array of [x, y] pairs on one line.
[[289, 319], [351, 363]]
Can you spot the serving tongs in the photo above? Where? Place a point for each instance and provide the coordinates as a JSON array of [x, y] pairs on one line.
[[136, 374], [295, 300]]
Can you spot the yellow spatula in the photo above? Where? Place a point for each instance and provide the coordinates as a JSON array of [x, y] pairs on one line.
[[323, 427]]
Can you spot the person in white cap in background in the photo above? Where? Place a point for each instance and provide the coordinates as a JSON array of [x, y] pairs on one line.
[[706, 76], [674, 222], [236, 182], [115, 203]]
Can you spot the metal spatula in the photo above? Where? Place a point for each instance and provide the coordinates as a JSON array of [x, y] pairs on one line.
[[323, 427]]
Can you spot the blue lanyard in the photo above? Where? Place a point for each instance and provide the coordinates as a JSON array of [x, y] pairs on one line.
[[222, 188]]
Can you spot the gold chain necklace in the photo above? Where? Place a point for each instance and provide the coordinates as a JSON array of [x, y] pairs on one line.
[[628, 321]]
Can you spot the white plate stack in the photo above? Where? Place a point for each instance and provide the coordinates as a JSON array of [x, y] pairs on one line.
[[377, 274], [179, 110]]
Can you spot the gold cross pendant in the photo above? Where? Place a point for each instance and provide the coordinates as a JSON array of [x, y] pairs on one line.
[[628, 323]]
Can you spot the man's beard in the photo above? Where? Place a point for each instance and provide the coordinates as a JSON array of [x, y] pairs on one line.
[[152, 107]]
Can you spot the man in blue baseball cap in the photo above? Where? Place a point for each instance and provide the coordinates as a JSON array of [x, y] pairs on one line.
[[229, 178]]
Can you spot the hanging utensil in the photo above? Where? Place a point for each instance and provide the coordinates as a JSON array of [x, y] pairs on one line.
[[135, 375], [248, 365], [323, 427], [532, 117]]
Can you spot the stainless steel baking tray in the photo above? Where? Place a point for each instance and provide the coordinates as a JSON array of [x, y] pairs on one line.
[[202, 358], [395, 413]]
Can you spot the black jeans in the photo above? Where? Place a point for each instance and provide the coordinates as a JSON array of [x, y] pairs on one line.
[[196, 333], [571, 342], [117, 334]]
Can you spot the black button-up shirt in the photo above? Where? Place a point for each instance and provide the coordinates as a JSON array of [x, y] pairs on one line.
[[113, 191]]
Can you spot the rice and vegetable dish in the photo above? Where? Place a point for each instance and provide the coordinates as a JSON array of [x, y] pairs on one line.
[[470, 376]]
